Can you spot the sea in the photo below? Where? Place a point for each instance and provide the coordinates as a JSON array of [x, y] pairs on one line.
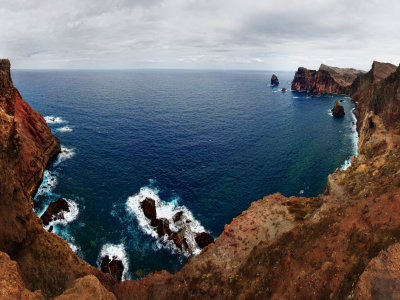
[[207, 142]]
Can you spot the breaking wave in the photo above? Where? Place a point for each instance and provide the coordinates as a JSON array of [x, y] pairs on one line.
[[54, 120], [188, 225], [115, 252], [354, 141]]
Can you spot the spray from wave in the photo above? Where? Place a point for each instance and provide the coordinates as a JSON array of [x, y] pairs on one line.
[[186, 226]]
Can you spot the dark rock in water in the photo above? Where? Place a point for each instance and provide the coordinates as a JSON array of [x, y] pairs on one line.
[[174, 236], [149, 208], [283, 90], [203, 239], [353, 123], [177, 216], [55, 211], [51, 228], [188, 221], [104, 264], [337, 110], [341, 100], [114, 267], [162, 226], [319, 93], [274, 80]]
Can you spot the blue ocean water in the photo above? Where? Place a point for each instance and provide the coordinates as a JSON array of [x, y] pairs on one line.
[[209, 141]]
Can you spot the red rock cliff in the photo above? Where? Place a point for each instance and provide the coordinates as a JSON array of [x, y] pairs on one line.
[[45, 261], [326, 80], [342, 244]]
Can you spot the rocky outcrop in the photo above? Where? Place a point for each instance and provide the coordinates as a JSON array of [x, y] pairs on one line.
[[342, 244], [376, 91], [46, 262], [149, 208], [381, 278], [114, 267], [337, 110], [326, 80], [274, 80], [11, 285], [26, 146], [55, 211], [204, 239], [86, 288]]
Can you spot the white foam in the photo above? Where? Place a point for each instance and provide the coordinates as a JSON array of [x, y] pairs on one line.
[[48, 184], [296, 97], [70, 215], [354, 141], [301, 192], [166, 210], [64, 129], [115, 252], [65, 154], [54, 120]]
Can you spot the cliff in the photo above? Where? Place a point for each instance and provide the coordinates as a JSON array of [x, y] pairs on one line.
[[362, 92], [326, 80], [45, 261], [343, 244]]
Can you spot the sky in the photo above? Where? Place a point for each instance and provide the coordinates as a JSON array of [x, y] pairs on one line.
[[202, 34]]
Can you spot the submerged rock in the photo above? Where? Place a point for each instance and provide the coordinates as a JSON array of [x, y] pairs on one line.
[[203, 239], [175, 237], [149, 208], [283, 90], [55, 211], [274, 80], [338, 110], [115, 267]]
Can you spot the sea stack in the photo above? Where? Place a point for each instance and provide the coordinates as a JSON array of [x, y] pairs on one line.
[[338, 110], [274, 80]]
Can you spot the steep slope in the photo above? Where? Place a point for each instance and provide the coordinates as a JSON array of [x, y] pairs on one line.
[[299, 248], [376, 91], [46, 262], [339, 245], [326, 80]]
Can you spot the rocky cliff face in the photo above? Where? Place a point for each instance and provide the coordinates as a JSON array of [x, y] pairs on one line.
[[326, 80], [375, 91], [342, 244], [45, 261]]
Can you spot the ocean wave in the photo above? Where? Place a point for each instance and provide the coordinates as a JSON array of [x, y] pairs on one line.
[[66, 153], [188, 226], [64, 129], [115, 252], [354, 141], [54, 120]]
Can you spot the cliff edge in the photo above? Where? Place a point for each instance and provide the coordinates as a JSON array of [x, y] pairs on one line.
[[342, 244], [326, 80]]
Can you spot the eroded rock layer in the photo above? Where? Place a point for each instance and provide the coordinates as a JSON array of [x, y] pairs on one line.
[[326, 80]]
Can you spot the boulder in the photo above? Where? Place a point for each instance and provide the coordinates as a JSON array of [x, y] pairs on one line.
[[115, 267], [175, 237], [283, 90], [162, 226], [338, 110], [203, 239], [86, 288], [55, 211], [274, 80], [149, 208], [177, 216]]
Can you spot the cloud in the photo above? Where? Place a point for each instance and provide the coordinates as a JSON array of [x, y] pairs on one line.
[[198, 34]]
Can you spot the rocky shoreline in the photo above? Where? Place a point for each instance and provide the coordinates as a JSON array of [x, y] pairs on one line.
[[342, 244]]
